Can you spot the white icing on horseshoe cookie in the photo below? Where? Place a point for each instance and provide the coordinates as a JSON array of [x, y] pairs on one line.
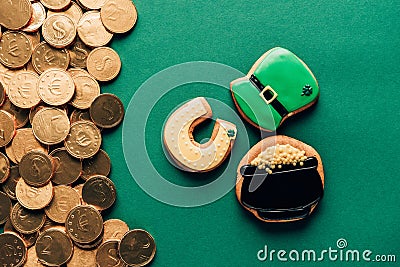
[[179, 141]]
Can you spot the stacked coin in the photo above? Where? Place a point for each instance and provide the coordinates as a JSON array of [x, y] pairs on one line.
[[53, 172]]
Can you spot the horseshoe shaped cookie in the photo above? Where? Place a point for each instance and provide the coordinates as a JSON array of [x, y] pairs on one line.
[[187, 153], [279, 84], [280, 179]]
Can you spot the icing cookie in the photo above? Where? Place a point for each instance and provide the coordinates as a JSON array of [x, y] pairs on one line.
[[280, 179], [279, 84], [187, 153]]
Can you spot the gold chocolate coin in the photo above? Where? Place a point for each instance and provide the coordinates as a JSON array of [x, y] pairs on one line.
[[107, 111], [118, 16], [13, 252], [92, 245], [50, 125], [83, 257], [29, 239], [79, 53], [6, 75], [59, 30], [84, 224], [56, 87], [107, 255], [99, 191], [34, 37], [37, 19], [54, 247], [32, 260], [22, 90], [64, 200], [92, 31], [26, 221], [15, 49], [99, 164], [33, 198], [114, 229], [83, 140], [36, 168], [45, 57], [92, 4], [7, 128], [20, 114], [67, 168], [23, 142], [5, 207], [104, 64], [77, 72], [74, 12], [16, 13], [4, 168], [11, 183], [80, 115], [86, 90], [56, 4], [137, 248]]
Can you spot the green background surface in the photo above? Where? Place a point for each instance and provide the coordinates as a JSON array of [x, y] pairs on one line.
[[352, 48]]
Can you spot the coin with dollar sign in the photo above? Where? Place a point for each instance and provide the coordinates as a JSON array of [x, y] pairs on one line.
[[59, 30]]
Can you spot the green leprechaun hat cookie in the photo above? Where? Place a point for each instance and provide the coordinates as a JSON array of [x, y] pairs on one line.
[[278, 86]]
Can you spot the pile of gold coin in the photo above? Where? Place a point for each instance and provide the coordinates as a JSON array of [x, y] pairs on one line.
[[53, 172]]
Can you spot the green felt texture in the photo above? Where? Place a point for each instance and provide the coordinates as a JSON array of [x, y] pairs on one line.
[[352, 48]]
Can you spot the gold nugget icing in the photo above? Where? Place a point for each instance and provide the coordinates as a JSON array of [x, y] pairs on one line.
[[276, 156], [184, 150]]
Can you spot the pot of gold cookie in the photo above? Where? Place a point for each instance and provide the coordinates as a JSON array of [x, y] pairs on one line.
[[280, 179], [279, 83]]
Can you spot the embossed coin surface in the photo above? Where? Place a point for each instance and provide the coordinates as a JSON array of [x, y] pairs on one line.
[[6, 74], [23, 142], [104, 63], [92, 4], [16, 13], [84, 224], [36, 168], [7, 128], [20, 114], [56, 4], [77, 72], [29, 239], [74, 12], [50, 125], [92, 31], [107, 255], [99, 191], [37, 19], [33, 198], [78, 54], [86, 90], [114, 229], [22, 90], [99, 164], [26, 221], [34, 37], [56, 87], [2, 93], [83, 257], [64, 200], [45, 57], [4, 168], [5, 207], [12, 250], [118, 16], [80, 115], [59, 30], [83, 140], [15, 49], [107, 111], [11, 183], [54, 247], [67, 169], [137, 248]]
